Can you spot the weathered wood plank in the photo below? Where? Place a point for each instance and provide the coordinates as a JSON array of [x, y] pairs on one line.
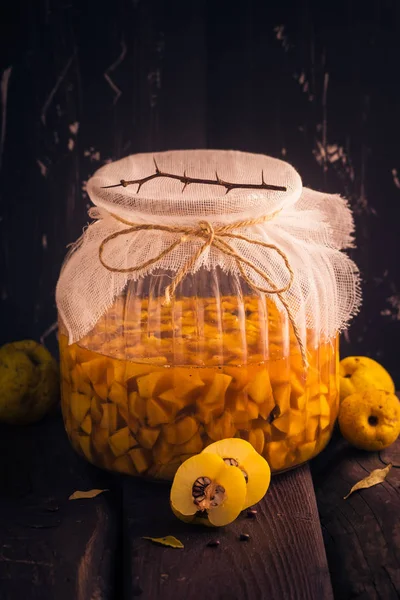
[[362, 533], [284, 558], [51, 547]]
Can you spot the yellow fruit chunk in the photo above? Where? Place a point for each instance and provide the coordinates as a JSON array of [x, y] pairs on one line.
[[100, 441], [137, 406], [157, 414], [192, 446], [222, 427], [277, 455], [306, 450], [181, 431], [291, 423], [360, 373], [256, 439], [101, 390], [140, 459], [186, 382], [80, 405], [238, 453], [80, 381], [297, 387], [260, 388], [281, 393], [123, 464], [118, 394], [86, 424], [147, 436], [96, 409], [205, 483], [163, 452], [240, 377], [110, 417], [371, 420], [121, 441], [83, 355], [312, 425], [150, 385], [125, 370], [216, 391], [96, 369]]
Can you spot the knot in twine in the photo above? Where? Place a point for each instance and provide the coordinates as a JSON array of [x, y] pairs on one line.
[[213, 236]]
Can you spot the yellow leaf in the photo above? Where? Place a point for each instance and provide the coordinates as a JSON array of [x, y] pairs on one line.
[[375, 477], [168, 540], [89, 494]]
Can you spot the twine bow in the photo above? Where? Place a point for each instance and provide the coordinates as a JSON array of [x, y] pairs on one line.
[[212, 236]]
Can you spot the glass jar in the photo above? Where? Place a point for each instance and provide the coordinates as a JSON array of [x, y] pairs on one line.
[[154, 383]]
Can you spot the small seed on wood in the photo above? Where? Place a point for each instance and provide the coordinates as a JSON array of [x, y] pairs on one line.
[[213, 543], [244, 537], [252, 513]]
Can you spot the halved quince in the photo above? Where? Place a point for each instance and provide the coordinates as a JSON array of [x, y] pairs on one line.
[[255, 469], [205, 484]]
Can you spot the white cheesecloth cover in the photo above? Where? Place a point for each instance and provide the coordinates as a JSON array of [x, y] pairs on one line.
[[310, 228]]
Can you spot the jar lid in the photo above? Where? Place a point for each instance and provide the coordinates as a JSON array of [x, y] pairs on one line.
[[181, 185]]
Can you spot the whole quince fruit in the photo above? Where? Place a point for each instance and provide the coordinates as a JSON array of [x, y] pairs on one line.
[[29, 382], [360, 373], [370, 420]]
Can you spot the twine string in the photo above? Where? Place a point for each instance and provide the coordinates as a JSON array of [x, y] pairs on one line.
[[212, 236]]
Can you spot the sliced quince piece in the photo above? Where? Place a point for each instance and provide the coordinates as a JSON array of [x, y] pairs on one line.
[[291, 423], [312, 425], [109, 418], [204, 483], [124, 370], [306, 450], [121, 441], [123, 464], [192, 446], [96, 409], [163, 452], [150, 385], [141, 459], [101, 390], [257, 439], [208, 412], [96, 369], [83, 355], [240, 377], [260, 388], [186, 382], [157, 413], [216, 391], [137, 406], [222, 427], [86, 424], [278, 455], [297, 387], [100, 440], [80, 381], [281, 393], [172, 402], [181, 431], [255, 469], [147, 436], [80, 405]]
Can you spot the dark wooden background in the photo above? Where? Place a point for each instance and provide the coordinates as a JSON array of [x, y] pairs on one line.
[[85, 82]]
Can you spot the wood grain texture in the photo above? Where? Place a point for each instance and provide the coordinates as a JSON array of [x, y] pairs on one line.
[[51, 547], [283, 559], [362, 533]]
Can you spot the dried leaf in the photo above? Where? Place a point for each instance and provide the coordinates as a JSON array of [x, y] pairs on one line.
[[168, 540], [375, 477], [89, 494]]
